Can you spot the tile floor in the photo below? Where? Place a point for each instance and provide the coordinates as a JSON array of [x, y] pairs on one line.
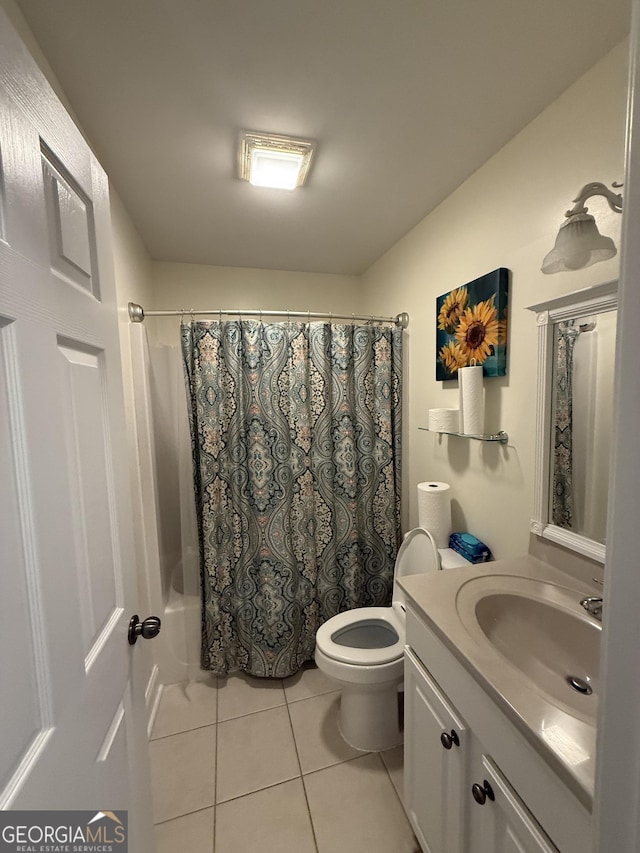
[[252, 766]]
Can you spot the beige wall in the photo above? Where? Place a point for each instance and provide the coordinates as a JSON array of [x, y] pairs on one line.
[[198, 286], [506, 214]]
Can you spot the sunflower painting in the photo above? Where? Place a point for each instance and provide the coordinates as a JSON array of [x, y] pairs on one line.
[[472, 326]]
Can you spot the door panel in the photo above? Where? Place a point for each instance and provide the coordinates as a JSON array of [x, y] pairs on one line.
[[19, 644], [91, 491], [73, 722], [70, 225]]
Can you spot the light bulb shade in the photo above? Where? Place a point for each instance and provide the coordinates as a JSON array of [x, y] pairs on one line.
[[578, 244], [270, 160]]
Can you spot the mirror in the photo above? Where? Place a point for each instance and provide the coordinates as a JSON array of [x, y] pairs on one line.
[[576, 361]]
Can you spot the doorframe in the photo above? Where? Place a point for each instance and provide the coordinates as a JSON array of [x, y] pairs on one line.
[[616, 817]]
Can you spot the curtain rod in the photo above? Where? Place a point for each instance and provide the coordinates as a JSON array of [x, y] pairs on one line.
[[137, 314]]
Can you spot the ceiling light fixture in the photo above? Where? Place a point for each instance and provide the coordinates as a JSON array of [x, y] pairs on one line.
[[280, 162], [579, 243]]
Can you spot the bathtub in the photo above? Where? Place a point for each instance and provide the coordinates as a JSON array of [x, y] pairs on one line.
[[180, 652]]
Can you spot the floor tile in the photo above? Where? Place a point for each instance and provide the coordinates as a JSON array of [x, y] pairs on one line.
[[240, 694], [394, 762], [315, 728], [183, 772], [309, 681], [275, 820], [254, 752], [192, 832], [355, 808], [186, 706]]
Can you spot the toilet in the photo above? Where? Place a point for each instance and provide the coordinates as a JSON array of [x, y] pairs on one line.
[[362, 650]]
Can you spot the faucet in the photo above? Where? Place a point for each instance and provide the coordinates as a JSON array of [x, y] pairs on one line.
[[593, 605]]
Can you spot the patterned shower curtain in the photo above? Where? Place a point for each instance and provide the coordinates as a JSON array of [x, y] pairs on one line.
[[296, 447], [562, 485]]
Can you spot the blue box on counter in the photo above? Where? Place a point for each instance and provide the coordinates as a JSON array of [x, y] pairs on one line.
[[469, 547]]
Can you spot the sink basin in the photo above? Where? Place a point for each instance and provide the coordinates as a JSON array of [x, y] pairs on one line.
[[541, 630]]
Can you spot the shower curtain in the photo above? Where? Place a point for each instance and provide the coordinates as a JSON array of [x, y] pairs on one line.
[[296, 451], [562, 485]]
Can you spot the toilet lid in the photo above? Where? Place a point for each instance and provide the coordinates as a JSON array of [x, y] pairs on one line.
[[338, 637], [418, 555]]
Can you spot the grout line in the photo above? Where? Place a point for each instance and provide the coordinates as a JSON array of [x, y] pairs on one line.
[[312, 696], [178, 816], [184, 731], [304, 787], [400, 800], [384, 764], [251, 713], [215, 767], [338, 763], [258, 790]]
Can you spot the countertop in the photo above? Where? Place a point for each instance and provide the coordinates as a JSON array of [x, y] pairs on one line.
[[565, 739]]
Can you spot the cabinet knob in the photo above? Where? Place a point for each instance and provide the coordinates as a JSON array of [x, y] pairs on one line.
[[481, 792], [449, 740]]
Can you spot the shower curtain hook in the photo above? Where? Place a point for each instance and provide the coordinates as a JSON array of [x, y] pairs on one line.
[[353, 320]]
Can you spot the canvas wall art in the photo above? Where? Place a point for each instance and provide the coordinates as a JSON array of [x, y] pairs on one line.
[[471, 326]]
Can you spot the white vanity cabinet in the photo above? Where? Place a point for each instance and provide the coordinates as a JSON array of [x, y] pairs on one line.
[[435, 762], [456, 797], [459, 751]]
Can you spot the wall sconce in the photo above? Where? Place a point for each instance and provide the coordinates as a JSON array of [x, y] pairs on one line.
[[579, 243]]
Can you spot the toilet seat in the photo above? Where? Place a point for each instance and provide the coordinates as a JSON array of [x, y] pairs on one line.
[[328, 636]]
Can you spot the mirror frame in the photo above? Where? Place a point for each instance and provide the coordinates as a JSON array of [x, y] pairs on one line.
[[580, 303]]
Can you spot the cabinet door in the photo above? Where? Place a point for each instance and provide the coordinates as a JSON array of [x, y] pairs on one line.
[[502, 824], [434, 775]]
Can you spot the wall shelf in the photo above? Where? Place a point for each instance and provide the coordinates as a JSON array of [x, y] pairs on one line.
[[500, 437]]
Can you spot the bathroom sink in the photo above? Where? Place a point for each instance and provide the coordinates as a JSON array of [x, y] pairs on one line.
[[542, 631]]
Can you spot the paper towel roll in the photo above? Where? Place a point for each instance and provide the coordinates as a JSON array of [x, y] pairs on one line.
[[444, 420], [471, 400], [434, 511]]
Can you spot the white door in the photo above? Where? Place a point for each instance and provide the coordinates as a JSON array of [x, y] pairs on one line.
[[70, 734]]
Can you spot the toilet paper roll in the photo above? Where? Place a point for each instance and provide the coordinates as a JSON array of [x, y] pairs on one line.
[[471, 400], [444, 420], [434, 511]]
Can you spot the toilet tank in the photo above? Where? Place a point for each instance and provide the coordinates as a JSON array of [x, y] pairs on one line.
[[418, 555]]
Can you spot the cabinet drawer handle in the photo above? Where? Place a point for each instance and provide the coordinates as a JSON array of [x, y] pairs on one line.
[[449, 740], [481, 792]]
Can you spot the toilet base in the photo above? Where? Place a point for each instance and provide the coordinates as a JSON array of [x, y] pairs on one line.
[[370, 717]]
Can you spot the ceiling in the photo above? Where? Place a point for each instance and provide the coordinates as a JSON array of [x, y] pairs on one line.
[[406, 99]]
